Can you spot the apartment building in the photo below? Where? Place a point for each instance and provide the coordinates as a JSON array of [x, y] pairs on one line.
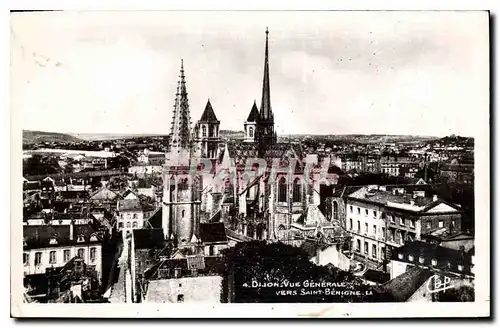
[[380, 220]]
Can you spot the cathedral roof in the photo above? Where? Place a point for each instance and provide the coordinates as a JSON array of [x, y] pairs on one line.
[[254, 115], [208, 115]]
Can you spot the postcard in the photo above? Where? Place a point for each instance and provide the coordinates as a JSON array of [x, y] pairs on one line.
[[191, 164]]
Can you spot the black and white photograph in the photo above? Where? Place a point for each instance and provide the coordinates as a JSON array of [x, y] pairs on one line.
[[206, 158]]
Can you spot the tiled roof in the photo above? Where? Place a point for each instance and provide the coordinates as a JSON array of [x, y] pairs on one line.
[[208, 115], [254, 115], [405, 285], [41, 235], [213, 232], [148, 238], [129, 205]]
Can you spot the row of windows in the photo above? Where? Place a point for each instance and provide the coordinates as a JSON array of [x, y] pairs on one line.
[[283, 191], [374, 228], [366, 248], [374, 212], [421, 260], [66, 256], [129, 225], [134, 216], [213, 131]]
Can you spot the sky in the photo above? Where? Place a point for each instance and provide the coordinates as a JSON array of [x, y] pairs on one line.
[[420, 73]]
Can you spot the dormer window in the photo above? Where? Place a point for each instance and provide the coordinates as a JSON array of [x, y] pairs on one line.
[[400, 256], [93, 237], [53, 241], [80, 239], [433, 262], [410, 258], [460, 267], [421, 259]]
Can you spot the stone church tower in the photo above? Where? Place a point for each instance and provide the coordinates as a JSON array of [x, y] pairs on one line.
[[180, 205], [206, 133]]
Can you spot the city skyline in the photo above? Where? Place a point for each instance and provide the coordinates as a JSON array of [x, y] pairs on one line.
[[128, 85]]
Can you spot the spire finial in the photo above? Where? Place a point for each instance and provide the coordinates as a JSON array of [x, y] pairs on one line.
[[267, 30]]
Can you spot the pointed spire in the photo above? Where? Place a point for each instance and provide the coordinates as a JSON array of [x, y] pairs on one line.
[[208, 115], [265, 107], [226, 160], [254, 113], [181, 120]]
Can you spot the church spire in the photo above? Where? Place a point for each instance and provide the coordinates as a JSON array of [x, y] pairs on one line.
[[181, 121], [265, 107]]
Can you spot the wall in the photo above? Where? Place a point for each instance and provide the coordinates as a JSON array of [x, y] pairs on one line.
[[333, 256], [397, 268], [205, 289], [31, 268]]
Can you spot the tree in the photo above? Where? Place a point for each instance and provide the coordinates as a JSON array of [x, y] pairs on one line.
[[278, 273], [39, 165]]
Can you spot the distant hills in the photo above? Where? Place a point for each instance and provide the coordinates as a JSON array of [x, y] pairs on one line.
[[32, 137]]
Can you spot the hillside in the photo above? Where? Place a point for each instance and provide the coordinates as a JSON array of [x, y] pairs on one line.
[[32, 137]]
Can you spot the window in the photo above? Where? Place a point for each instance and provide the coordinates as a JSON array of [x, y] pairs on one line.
[[211, 250], [366, 212], [383, 233], [38, 258], [134, 225], [350, 224], [375, 214], [428, 225], [382, 252], [441, 223], [177, 272], [374, 251], [434, 262], [81, 253], [297, 195], [120, 225], [204, 131], [250, 132], [359, 210], [392, 218], [402, 221], [412, 223], [410, 258], [460, 267], [282, 190], [374, 230], [335, 211], [26, 258], [358, 245], [366, 227], [421, 260], [66, 255], [350, 207], [211, 131], [359, 226], [52, 257], [93, 254], [129, 224], [135, 216], [366, 247], [180, 298], [453, 223], [400, 256]]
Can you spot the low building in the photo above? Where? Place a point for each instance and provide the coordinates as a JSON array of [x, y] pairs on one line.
[[52, 246], [438, 259], [191, 279], [130, 215]]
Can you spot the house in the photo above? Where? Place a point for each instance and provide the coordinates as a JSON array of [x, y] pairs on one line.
[[130, 215], [52, 246], [187, 280], [213, 238], [438, 259], [104, 194], [409, 286]]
